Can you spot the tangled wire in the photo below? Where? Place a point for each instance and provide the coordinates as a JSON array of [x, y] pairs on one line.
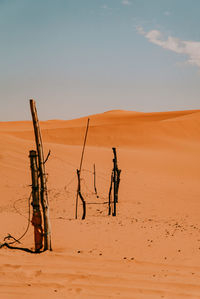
[[14, 240]]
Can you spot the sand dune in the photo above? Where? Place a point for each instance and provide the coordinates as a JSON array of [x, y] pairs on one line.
[[150, 250], [116, 128]]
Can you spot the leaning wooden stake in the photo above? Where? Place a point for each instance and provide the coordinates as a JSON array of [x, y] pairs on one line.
[[43, 185], [82, 155], [37, 217], [80, 195]]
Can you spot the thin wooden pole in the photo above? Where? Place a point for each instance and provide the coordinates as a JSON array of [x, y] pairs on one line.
[[43, 185], [85, 139], [114, 181], [95, 187], [37, 218], [118, 181], [80, 195], [110, 195], [81, 162]]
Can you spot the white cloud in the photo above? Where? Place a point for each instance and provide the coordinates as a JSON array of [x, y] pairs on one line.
[[126, 2], [189, 48]]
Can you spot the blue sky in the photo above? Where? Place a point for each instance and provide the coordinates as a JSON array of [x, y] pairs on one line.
[[80, 57]]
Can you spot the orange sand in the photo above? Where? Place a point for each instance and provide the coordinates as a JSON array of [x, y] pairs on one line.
[[150, 250]]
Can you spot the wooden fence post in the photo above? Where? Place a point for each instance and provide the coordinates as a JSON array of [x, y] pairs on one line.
[[110, 195], [42, 174], [80, 195], [118, 180], [37, 218], [114, 182]]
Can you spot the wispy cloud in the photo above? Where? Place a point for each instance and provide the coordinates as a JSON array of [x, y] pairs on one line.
[[189, 48], [126, 2]]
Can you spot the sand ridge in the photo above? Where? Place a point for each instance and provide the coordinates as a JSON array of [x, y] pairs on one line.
[[116, 128]]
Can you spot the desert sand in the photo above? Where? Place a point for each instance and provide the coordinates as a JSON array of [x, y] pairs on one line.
[[150, 250]]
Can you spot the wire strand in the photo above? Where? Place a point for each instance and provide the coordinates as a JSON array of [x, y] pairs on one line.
[[26, 230]]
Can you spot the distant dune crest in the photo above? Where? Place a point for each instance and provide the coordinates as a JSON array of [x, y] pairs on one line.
[[119, 128]]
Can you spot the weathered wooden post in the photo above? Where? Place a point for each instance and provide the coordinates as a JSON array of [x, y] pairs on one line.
[[118, 180], [80, 195], [37, 218], [110, 195], [42, 175], [114, 181]]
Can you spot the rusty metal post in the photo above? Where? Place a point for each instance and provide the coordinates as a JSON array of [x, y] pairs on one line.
[[37, 218]]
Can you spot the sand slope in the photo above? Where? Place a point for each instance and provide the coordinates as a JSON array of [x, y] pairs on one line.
[[150, 250]]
